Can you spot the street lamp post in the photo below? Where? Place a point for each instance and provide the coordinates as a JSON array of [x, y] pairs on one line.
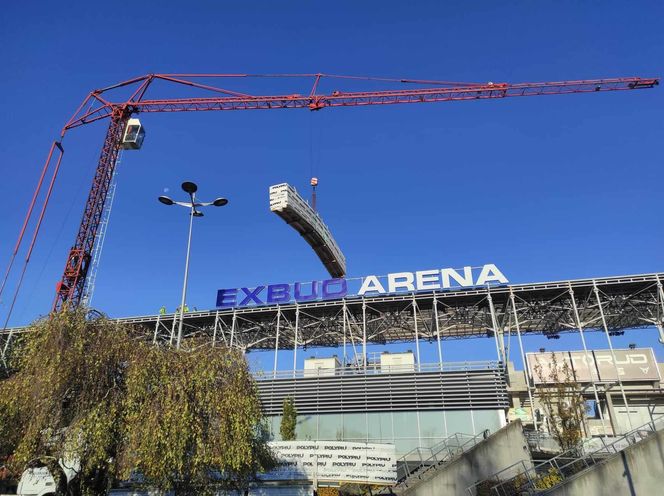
[[189, 188]]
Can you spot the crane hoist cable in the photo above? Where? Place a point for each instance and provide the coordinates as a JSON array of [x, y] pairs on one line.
[[312, 173], [28, 215], [35, 233]]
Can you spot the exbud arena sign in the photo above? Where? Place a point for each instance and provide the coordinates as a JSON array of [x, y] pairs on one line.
[[397, 282]]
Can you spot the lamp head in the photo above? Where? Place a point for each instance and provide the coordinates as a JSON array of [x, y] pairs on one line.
[[197, 213], [165, 200], [220, 202], [189, 187]]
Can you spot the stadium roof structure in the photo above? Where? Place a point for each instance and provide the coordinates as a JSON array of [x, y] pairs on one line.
[[610, 304], [614, 303]]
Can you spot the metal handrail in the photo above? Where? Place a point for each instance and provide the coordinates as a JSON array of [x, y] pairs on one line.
[[521, 463], [441, 452], [488, 365], [567, 463]]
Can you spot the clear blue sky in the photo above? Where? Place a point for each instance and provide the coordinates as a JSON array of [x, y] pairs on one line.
[[546, 188]]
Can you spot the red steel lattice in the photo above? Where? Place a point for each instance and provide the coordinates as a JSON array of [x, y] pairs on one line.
[[98, 106]]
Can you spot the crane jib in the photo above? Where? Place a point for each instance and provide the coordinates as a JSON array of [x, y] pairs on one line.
[[97, 106]]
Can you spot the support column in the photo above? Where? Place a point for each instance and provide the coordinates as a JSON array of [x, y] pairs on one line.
[[497, 334], [508, 349], [660, 324], [590, 360], [233, 328], [156, 329], [345, 319], [417, 336], [364, 335], [613, 355], [214, 331], [297, 325], [612, 412], [435, 316], [523, 357], [276, 344], [173, 330]]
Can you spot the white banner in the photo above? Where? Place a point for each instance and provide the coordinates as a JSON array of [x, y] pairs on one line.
[[334, 461], [631, 365]]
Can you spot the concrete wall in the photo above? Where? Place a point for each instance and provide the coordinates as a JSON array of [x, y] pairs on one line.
[[503, 448], [637, 470]]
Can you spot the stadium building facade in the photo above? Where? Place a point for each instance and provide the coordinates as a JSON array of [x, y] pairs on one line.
[[406, 405], [396, 398]]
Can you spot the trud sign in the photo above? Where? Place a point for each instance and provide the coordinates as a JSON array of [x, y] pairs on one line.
[[637, 364], [397, 282]]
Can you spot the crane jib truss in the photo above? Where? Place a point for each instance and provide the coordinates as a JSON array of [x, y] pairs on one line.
[[97, 106], [100, 108]]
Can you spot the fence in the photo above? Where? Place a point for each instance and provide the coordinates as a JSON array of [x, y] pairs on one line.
[[373, 369]]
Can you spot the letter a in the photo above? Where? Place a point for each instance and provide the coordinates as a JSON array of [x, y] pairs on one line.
[[490, 273], [371, 284]]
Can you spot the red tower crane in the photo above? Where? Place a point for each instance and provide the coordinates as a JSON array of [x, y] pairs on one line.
[[98, 105]]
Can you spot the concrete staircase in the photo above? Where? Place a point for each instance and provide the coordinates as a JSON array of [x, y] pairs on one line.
[[524, 479], [414, 465], [452, 467]]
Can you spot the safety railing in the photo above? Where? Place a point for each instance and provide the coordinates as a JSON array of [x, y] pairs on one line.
[[354, 370], [524, 478], [418, 461], [542, 442]]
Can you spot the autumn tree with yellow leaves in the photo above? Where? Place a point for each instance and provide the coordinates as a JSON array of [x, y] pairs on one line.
[[560, 395]]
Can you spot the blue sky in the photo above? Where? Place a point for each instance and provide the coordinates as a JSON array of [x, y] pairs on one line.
[[546, 188]]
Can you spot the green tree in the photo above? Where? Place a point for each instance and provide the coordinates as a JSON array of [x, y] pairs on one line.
[[96, 392], [190, 414], [64, 398], [288, 421]]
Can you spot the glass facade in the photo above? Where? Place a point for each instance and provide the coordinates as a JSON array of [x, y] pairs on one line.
[[406, 430]]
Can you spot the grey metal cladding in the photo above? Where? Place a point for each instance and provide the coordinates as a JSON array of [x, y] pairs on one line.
[[458, 390]]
